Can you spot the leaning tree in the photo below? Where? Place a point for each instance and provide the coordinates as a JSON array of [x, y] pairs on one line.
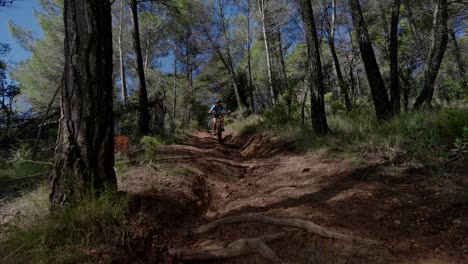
[[85, 148]]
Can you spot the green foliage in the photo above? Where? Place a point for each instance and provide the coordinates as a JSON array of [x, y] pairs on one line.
[[461, 144], [424, 137], [151, 145], [282, 114], [40, 75], [66, 236]]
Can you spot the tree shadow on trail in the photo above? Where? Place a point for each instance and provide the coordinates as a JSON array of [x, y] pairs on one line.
[[331, 190]]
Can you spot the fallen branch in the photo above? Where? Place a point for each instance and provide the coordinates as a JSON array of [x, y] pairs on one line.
[[294, 222], [237, 248]]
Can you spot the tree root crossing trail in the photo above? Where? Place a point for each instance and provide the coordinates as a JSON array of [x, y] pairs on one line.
[[258, 201]]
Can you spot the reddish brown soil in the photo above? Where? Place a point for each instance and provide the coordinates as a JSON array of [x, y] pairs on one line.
[[419, 221]]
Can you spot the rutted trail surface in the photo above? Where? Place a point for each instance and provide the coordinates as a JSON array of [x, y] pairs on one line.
[[249, 200]]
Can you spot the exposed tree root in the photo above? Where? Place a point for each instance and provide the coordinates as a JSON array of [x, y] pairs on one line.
[[237, 248], [294, 222], [229, 162]]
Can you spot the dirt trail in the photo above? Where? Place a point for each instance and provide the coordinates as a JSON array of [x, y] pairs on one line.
[[252, 177]]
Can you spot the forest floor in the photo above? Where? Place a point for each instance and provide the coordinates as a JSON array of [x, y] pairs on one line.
[[385, 213]]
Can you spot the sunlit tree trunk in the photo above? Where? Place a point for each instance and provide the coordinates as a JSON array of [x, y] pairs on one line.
[[123, 78], [438, 47], [249, 54], [261, 12], [84, 158]]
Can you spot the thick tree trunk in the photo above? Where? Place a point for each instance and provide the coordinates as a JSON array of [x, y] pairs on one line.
[[439, 45], [382, 104], [394, 85], [85, 149], [331, 43], [144, 118], [123, 78], [319, 120]]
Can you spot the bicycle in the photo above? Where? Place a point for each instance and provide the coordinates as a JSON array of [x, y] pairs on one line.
[[218, 127]]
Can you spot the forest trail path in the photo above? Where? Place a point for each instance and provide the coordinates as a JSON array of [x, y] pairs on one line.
[[250, 176]]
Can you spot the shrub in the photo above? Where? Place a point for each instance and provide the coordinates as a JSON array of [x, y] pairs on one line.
[[151, 145]]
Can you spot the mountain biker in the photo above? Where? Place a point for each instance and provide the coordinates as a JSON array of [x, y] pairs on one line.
[[217, 111]]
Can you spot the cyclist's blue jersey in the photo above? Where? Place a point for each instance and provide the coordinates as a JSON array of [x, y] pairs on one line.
[[217, 109]]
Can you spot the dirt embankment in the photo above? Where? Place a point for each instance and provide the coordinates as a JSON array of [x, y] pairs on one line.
[[253, 200]]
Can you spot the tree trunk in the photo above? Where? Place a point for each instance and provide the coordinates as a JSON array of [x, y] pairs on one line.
[[439, 45], [144, 118], [303, 103], [458, 54], [123, 78], [84, 158], [382, 104], [394, 85], [331, 43], [249, 57], [412, 23], [174, 102], [261, 11], [319, 120], [283, 74], [228, 60]]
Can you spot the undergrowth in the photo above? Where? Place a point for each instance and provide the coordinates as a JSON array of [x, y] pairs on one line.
[[424, 137], [70, 236]]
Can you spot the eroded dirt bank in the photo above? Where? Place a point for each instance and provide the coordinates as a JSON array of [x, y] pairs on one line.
[[368, 213]]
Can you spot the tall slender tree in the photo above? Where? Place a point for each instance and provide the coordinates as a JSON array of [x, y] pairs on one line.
[[123, 76], [438, 47], [317, 89], [144, 117], [331, 20], [85, 148], [382, 104], [394, 85]]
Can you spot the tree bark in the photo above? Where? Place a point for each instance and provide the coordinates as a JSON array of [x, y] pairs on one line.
[[85, 149], [439, 45], [317, 89], [144, 118], [382, 104], [123, 78], [394, 85]]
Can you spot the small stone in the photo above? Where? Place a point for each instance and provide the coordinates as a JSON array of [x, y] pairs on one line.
[[397, 222], [305, 170], [457, 222]]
